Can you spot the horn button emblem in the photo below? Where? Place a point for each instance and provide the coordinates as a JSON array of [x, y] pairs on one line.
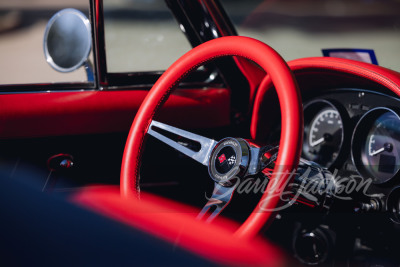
[[229, 160]]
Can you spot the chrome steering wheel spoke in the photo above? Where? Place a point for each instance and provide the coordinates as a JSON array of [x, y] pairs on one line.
[[227, 160], [162, 132], [220, 198]]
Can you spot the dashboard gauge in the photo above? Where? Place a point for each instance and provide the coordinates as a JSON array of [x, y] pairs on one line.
[[323, 136], [376, 145]]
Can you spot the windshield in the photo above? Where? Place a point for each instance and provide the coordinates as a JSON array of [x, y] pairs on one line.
[[141, 36], [302, 28]]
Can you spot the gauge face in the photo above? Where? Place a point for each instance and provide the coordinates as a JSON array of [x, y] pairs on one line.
[[381, 152], [323, 133]]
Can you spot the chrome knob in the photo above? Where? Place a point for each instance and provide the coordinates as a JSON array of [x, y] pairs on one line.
[[60, 162]]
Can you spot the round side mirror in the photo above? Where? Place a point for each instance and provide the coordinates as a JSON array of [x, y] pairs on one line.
[[67, 40]]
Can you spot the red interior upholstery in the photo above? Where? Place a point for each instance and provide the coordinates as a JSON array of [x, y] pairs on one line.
[[92, 112], [176, 223]]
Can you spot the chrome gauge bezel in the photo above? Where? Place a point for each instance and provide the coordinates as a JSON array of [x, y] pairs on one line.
[[359, 141], [311, 111]]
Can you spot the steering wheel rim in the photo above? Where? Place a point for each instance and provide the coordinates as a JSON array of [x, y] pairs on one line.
[[290, 105]]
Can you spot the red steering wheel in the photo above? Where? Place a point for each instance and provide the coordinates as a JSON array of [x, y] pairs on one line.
[[290, 105]]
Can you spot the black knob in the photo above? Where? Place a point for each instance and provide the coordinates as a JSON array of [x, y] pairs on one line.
[[311, 247], [393, 205]]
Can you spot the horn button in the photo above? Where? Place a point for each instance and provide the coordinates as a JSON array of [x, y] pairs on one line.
[[229, 160]]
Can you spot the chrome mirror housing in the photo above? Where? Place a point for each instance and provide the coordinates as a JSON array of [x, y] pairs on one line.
[[68, 41]]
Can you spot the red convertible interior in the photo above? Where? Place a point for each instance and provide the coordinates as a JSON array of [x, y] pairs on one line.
[[156, 133]]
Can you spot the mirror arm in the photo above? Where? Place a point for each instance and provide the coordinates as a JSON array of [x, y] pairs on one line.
[[89, 70]]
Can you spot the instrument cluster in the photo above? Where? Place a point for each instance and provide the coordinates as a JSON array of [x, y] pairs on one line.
[[354, 130]]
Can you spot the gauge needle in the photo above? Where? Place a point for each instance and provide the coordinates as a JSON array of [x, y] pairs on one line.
[[382, 149], [319, 141], [386, 147]]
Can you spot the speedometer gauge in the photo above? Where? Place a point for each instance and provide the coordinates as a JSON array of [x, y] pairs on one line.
[[376, 145], [325, 127], [323, 134]]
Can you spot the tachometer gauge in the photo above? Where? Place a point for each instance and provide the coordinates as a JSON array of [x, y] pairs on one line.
[[323, 135], [376, 145]]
